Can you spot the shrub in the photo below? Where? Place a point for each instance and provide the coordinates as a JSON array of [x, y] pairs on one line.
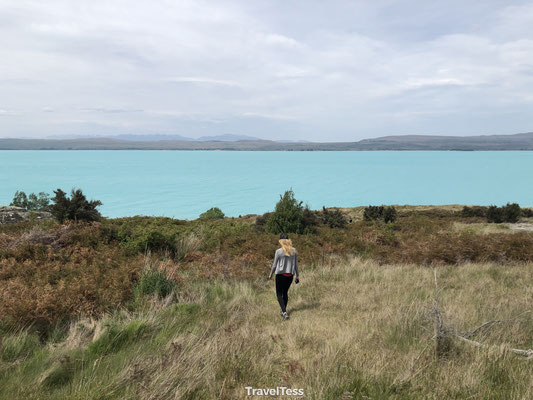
[[20, 200], [527, 212], [261, 220], [380, 213], [334, 219], [155, 234], [60, 208], [157, 241], [33, 202], [508, 213], [373, 213], [511, 212], [75, 208], [288, 216], [153, 281], [474, 211], [495, 214], [389, 214], [309, 220], [212, 213]]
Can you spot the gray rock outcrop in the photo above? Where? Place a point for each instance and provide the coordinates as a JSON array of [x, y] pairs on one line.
[[11, 215]]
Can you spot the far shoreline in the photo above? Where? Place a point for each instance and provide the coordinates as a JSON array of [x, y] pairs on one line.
[[514, 142]]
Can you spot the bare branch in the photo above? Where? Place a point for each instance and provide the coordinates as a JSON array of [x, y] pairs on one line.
[[525, 353], [482, 326]]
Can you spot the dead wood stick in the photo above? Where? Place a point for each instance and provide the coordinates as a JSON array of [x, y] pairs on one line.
[[492, 322], [483, 325], [525, 353]]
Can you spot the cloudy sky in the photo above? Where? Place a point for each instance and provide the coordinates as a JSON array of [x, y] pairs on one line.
[[287, 69]]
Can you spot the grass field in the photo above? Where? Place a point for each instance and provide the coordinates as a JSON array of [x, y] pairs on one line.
[[357, 330], [155, 308]]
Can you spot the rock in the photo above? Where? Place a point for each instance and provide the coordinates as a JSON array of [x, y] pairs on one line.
[[11, 215]]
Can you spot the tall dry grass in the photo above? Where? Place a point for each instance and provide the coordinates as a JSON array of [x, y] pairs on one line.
[[357, 329]]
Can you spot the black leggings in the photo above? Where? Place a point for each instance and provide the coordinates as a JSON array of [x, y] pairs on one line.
[[283, 283]]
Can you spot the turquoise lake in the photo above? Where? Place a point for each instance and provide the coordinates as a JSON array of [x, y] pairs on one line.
[[183, 184]]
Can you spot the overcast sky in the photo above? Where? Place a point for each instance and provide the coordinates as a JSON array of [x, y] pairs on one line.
[[287, 69]]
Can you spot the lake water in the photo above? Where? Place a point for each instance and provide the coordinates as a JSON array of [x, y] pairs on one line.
[[183, 184]]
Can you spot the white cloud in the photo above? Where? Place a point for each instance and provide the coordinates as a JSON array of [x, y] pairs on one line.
[[268, 116], [200, 80], [4, 112], [337, 70], [280, 40]]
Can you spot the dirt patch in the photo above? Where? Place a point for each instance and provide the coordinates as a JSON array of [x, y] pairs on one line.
[[521, 226]]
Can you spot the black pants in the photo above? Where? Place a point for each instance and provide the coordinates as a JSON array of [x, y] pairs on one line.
[[283, 283]]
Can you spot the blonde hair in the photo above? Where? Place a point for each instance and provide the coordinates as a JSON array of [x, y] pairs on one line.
[[286, 245]]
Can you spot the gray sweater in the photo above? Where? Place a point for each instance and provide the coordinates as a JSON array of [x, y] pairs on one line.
[[285, 264]]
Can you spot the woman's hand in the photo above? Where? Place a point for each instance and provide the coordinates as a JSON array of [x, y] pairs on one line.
[[297, 280], [270, 276]]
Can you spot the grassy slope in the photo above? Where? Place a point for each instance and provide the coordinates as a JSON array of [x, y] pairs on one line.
[[50, 273], [357, 329]]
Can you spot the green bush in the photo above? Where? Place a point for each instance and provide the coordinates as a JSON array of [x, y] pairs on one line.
[[159, 234], [495, 214], [212, 213], [33, 202], [290, 216], [474, 211], [75, 208], [380, 213], [157, 241], [389, 214], [527, 212], [373, 213], [261, 220], [508, 213], [334, 219], [512, 212], [309, 220], [153, 281]]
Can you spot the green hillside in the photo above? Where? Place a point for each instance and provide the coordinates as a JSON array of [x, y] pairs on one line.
[[155, 308]]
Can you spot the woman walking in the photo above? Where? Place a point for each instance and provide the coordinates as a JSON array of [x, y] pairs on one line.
[[285, 266]]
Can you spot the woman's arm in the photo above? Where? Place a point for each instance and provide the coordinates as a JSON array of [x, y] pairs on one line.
[[273, 265], [296, 264]]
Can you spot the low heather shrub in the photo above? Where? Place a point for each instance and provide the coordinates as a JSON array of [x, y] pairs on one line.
[[474, 211], [380, 213], [334, 219]]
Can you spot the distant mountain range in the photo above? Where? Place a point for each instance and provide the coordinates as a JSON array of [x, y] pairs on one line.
[[179, 138], [520, 141]]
